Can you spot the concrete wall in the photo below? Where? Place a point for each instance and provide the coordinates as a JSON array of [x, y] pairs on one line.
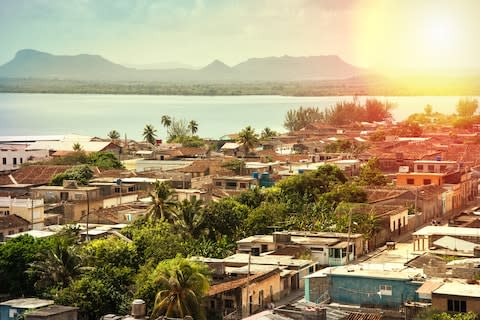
[[20, 156], [440, 302], [270, 287], [364, 291]]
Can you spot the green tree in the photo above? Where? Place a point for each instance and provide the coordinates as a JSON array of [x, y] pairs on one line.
[[296, 119], [268, 133], [166, 121], [104, 160], [150, 134], [375, 110], [225, 218], [189, 217], [154, 241], [466, 107], [370, 174], [428, 110], [178, 131], [193, 126], [81, 174], [183, 284], [236, 165], [77, 147], [16, 255], [262, 219], [248, 138], [162, 201], [58, 265], [113, 135]]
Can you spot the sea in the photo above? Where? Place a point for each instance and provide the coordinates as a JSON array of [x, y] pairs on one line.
[[97, 114]]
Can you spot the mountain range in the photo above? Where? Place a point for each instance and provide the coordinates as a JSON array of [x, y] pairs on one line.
[[33, 64]]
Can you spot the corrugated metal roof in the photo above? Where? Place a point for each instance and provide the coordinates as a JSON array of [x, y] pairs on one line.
[[456, 244]]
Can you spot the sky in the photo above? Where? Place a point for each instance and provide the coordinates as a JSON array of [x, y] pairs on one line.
[[383, 34]]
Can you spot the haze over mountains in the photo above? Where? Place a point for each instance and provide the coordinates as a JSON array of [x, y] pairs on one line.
[[34, 64]]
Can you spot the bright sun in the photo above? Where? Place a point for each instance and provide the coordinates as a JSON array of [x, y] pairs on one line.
[[439, 33]]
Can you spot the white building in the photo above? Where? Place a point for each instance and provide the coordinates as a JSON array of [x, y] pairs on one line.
[[14, 155]]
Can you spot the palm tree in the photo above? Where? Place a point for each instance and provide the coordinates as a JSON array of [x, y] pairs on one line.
[[166, 121], [77, 147], [248, 138], [189, 217], [162, 202], [58, 266], [193, 126], [149, 134], [268, 133], [113, 135], [183, 284]]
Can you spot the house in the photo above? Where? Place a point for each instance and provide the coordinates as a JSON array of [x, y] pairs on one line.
[[32, 175], [234, 183], [12, 309], [232, 149], [365, 285], [457, 297], [65, 145], [53, 312], [191, 194], [326, 248], [425, 239], [14, 155], [78, 201], [31, 210], [12, 224], [243, 295]]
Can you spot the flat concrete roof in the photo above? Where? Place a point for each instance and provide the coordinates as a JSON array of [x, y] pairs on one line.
[[448, 231], [267, 260], [393, 271], [51, 310], [33, 233], [27, 303], [459, 289], [60, 188]]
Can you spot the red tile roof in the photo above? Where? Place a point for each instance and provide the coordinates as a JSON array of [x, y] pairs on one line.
[[34, 174], [12, 221]]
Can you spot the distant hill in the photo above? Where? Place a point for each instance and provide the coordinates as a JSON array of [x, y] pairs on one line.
[[34, 64]]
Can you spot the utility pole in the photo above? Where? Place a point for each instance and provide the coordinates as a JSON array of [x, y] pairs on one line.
[[349, 232], [249, 306], [87, 237], [32, 209]]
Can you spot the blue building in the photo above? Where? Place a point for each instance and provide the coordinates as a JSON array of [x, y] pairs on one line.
[[11, 309], [366, 286]]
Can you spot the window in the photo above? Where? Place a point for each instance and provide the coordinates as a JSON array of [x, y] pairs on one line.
[[431, 168], [193, 197], [212, 304], [218, 183], [316, 249], [21, 160], [117, 190], [10, 232], [410, 181], [264, 248], [420, 167], [14, 161], [457, 305], [1, 236], [243, 185], [20, 230], [427, 181], [229, 303], [231, 184], [4, 160], [385, 290]]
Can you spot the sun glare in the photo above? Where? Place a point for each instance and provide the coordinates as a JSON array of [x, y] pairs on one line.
[[439, 33]]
